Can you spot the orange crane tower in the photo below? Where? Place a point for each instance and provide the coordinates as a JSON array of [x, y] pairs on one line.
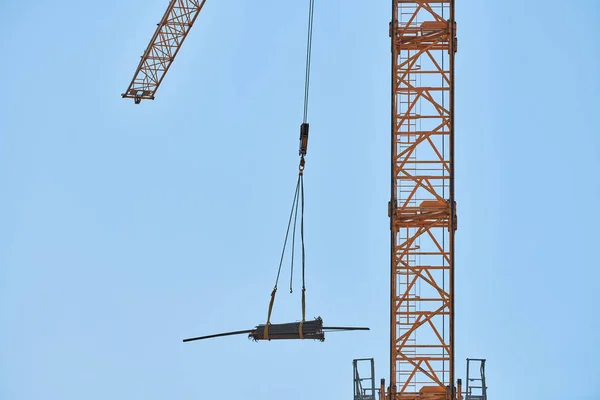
[[422, 210]]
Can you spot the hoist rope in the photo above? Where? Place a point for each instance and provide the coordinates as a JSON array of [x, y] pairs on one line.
[[311, 12], [299, 193]]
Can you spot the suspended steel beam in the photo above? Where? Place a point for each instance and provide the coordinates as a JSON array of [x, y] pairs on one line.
[[172, 30], [313, 329]]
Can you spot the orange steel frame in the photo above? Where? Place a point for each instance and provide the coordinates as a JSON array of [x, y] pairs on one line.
[[422, 207], [162, 49]]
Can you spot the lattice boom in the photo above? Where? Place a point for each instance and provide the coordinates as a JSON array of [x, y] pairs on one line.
[[162, 49]]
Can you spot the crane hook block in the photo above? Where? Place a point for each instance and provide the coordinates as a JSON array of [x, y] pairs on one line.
[[303, 138]]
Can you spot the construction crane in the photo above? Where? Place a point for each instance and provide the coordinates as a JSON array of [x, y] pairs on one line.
[[422, 207]]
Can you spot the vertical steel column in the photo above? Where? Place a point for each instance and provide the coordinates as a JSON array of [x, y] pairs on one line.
[[422, 208]]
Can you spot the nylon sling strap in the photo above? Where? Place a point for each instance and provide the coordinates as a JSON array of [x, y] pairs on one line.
[[270, 311]]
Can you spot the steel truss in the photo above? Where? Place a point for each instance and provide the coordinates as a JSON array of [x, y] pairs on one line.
[[422, 207], [162, 49]]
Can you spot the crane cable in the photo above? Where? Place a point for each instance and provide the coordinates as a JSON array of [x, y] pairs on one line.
[[298, 202], [299, 192], [311, 13]]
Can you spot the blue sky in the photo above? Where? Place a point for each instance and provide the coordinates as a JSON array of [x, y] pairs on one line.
[[127, 228]]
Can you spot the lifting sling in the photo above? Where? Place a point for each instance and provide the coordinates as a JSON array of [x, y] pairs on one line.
[[299, 193]]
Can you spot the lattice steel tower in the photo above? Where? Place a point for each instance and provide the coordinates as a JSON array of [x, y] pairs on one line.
[[170, 33], [422, 208]]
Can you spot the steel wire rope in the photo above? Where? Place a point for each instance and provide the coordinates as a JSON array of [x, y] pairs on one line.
[[299, 190], [287, 232], [303, 254], [311, 12], [303, 251], [293, 245]]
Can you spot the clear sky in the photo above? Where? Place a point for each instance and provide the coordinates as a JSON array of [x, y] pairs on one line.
[[124, 228]]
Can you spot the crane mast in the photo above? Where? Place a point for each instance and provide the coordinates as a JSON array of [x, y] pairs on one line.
[[422, 208], [172, 30]]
